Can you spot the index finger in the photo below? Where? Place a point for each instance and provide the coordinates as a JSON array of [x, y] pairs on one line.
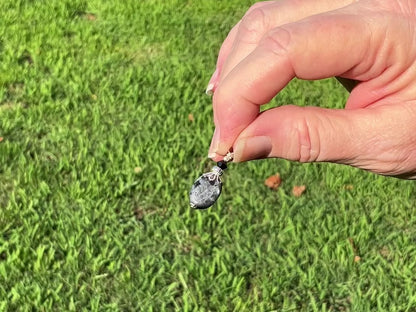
[[318, 47], [262, 17]]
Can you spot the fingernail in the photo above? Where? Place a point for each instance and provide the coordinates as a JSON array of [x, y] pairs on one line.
[[214, 143], [212, 83], [252, 148], [210, 89], [212, 155]]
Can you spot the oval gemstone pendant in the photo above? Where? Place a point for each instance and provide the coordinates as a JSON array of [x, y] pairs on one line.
[[207, 188]]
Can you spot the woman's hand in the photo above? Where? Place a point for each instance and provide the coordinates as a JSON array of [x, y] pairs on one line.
[[371, 41]]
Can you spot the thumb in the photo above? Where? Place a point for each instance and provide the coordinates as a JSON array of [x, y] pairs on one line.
[[376, 138], [303, 134]]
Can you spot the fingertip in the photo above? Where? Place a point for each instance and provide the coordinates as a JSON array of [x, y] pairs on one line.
[[213, 148], [215, 156], [213, 81], [250, 148], [210, 89]]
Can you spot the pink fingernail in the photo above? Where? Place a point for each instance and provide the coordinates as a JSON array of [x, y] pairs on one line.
[[210, 89], [212, 83], [214, 143], [212, 155]]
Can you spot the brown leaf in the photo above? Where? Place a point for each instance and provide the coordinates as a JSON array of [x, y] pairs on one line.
[[385, 252], [139, 214], [90, 16], [357, 258], [298, 190], [1, 139], [273, 182], [191, 118]]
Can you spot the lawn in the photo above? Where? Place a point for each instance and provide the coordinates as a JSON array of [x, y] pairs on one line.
[[104, 126]]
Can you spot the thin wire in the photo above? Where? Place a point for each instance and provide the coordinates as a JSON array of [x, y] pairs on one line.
[[229, 157]]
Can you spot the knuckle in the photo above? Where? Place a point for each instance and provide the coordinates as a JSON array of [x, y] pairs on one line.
[[277, 41], [308, 140], [253, 25]]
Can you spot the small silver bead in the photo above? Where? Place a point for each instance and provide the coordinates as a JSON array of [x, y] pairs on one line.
[[228, 157]]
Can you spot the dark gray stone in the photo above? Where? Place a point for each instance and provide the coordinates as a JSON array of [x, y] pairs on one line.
[[206, 190]]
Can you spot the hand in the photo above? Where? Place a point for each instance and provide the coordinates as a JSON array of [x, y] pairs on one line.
[[371, 41]]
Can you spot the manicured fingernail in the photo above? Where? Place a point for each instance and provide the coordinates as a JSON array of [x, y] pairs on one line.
[[212, 155], [212, 83], [252, 148], [210, 89], [214, 143]]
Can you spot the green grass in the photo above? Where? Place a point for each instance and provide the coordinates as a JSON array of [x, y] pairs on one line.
[[98, 156]]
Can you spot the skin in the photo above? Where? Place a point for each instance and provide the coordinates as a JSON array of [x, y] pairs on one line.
[[369, 41]]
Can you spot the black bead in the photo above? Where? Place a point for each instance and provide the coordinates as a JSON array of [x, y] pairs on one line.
[[222, 165]]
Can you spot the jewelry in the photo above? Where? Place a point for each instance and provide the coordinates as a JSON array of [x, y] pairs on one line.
[[207, 188]]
